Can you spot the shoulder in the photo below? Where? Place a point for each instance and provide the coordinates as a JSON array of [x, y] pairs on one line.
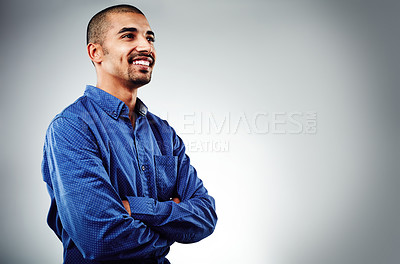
[[74, 116], [77, 110], [159, 124]]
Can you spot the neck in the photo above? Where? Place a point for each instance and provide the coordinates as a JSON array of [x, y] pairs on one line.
[[124, 92]]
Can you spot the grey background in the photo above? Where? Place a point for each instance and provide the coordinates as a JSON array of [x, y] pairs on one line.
[[329, 197]]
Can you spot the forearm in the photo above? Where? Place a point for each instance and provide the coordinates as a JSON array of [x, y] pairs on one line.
[[185, 222]]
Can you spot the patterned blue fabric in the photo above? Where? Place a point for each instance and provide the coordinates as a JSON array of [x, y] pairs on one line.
[[93, 159]]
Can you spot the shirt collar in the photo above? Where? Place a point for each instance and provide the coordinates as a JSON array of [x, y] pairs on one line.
[[111, 104]]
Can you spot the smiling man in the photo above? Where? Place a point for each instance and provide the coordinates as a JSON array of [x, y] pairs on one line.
[[121, 186]]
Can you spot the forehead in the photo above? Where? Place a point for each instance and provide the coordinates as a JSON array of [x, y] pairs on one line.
[[117, 21]]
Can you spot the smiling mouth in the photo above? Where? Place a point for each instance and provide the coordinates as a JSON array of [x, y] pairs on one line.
[[146, 61]]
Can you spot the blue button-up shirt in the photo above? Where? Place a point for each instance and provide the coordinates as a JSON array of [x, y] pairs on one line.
[[93, 159]]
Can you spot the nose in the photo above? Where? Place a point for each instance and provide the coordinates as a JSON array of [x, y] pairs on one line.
[[144, 45]]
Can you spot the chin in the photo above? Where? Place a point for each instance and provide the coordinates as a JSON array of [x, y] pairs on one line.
[[141, 81]]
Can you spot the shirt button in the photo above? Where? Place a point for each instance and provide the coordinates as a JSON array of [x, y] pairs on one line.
[[114, 113], [143, 167]]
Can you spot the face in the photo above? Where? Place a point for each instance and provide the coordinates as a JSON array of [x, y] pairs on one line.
[[128, 49]]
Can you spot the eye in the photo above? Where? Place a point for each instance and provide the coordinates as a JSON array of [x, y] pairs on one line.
[[129, 36], [151, 39]]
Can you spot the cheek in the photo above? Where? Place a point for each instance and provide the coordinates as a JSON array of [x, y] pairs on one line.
[[155, 56], [120, 54]]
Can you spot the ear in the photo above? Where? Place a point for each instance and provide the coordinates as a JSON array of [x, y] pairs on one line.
[[95, 52]]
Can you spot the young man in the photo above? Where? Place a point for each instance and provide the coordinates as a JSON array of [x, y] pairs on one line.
[[122, 188]]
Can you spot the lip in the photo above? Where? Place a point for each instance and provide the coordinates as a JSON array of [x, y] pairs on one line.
[[142, 67]]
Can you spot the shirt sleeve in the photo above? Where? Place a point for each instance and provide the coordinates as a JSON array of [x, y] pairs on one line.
[[193, 219], [89, 207]]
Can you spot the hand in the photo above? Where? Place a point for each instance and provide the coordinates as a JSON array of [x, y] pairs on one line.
[[176, 200], [127, 207]]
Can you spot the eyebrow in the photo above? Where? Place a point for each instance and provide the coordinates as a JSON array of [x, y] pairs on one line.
[[132, 29]]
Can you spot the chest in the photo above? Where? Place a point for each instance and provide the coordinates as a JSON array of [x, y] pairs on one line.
[[135, 162]]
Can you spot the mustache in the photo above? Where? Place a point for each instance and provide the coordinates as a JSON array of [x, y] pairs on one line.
[[135, 55]]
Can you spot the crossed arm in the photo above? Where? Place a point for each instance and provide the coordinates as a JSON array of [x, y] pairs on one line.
[[128, 208], [101, 224]]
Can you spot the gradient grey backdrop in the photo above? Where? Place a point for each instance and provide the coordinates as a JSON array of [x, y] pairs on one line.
[[327, 198]]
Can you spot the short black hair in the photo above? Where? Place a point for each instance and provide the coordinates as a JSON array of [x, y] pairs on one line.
[[98, 23]]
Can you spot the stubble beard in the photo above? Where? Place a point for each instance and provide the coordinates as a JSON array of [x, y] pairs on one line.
[[139, 79]]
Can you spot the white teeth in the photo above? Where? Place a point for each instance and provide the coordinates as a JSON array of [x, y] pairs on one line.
[[142, 62]]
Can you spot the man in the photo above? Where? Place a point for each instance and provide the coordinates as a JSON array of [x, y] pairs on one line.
[[122, 188]]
